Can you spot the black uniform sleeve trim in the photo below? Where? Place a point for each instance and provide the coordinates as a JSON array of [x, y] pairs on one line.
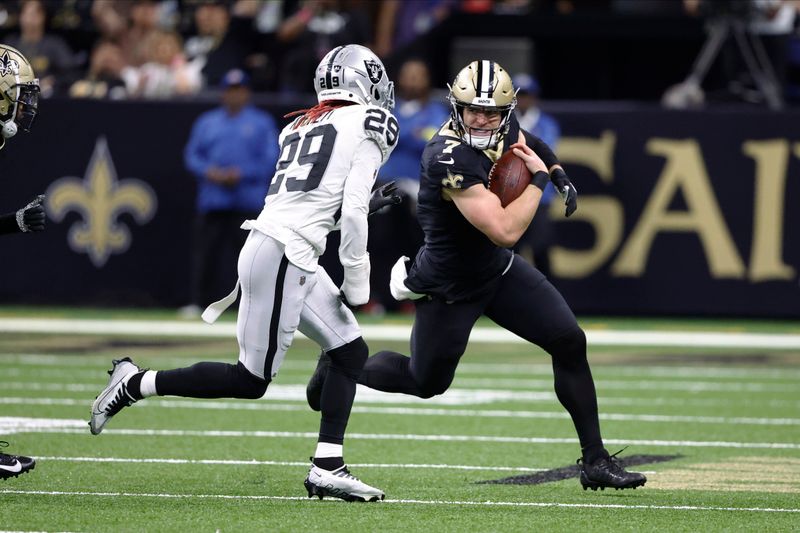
[[541, 149], [8, 223]]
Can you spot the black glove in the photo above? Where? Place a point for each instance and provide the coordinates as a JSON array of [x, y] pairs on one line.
[[31, 217], [383, 196], [566, 189]]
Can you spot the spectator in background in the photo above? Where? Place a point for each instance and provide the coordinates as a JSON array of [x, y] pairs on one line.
[[316, 27], [166, 72], [232, 151], [540, 234], [401, 22], [49, 55], [143, 25], [396, 230], [105, 76], [221, 42], [128, 25]]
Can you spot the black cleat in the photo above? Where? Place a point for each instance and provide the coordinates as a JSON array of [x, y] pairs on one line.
[[608, 472], [314, 387], [14, 465]]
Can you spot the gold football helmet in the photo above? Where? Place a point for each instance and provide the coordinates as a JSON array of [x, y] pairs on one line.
[[483, 85], [19, 89]]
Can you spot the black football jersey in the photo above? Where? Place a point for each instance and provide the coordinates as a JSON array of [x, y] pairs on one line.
[[457, 261]]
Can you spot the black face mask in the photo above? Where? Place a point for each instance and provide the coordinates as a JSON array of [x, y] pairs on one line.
[[27, 106]]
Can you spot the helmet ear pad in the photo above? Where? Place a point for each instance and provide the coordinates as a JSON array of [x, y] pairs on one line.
[[9, 129]]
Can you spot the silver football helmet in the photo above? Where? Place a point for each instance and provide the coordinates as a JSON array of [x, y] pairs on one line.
[[19, 93], [482, 85], [355, 74]]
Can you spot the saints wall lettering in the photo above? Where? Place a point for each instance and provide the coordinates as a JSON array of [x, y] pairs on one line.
[[684, 172]]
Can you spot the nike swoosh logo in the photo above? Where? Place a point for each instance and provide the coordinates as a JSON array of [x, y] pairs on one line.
[[448, 162], [16, 467]]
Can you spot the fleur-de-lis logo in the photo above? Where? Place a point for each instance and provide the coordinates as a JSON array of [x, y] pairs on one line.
[[100, 198], [452, 181], [8, 65]]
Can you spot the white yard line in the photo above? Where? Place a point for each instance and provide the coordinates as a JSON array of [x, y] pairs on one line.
[[9, 425], [414, 502], [688, 371], [399, 333], [253, 462], [453, 396], [422, 411]]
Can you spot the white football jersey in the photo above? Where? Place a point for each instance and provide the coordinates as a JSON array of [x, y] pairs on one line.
[[307, 190]]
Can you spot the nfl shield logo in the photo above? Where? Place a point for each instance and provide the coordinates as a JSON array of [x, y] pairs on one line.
[[374, 70]]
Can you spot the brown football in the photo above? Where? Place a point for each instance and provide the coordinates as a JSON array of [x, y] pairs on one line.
[[508, 178]]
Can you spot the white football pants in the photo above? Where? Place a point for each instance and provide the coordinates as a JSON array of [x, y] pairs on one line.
[[278, 298]]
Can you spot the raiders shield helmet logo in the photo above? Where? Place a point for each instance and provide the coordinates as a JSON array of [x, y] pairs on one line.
[[374, 70]]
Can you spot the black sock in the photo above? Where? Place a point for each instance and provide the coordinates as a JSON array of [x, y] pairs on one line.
[[134, 386], [329, 463]]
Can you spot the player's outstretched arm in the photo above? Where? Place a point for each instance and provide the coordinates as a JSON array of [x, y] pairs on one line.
[[29, 218]]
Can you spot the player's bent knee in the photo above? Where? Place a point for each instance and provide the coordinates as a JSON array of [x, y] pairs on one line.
[[350, 358], [570, 346], [249, 386], [433, 387]]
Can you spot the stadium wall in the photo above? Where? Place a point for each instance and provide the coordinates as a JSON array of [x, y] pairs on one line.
[[680, 213]]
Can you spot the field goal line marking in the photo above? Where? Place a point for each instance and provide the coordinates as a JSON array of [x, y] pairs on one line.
[[708, 339], [404, 501]]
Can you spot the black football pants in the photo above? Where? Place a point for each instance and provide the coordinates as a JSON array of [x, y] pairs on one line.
[[524, 303]]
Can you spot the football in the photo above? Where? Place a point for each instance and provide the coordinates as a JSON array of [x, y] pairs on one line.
[[508, 178]]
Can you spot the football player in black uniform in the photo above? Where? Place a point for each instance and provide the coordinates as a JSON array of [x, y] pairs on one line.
[[466, 270], [19, 99]]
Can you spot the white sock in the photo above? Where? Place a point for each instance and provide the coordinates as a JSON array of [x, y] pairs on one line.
[[148, 386], [326, 449]]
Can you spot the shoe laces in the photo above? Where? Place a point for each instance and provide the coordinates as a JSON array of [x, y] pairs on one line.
[[614, 464], [6, 458], [120, 400], [345, 473]]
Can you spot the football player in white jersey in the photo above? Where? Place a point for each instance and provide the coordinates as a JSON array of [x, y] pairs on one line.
[[330, 155]]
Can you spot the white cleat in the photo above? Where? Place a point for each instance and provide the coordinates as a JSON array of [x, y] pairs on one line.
[[115, 396], [340, 483]]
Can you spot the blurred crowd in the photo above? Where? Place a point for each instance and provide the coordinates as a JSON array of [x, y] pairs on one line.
[[162, 48], [165, 48]]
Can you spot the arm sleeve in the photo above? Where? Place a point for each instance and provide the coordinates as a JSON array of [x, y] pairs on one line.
[[541, 149], [194, 155], [8, 223], [355, 206]]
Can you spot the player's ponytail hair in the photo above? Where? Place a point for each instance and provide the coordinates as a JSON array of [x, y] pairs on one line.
[[313, 113]]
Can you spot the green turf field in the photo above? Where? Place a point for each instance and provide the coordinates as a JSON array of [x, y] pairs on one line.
[[728, 416]]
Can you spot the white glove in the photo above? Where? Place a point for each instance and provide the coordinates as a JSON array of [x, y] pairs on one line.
[[355, 287]]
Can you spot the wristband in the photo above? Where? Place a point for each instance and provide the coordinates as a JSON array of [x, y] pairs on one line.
[[540, 179]]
